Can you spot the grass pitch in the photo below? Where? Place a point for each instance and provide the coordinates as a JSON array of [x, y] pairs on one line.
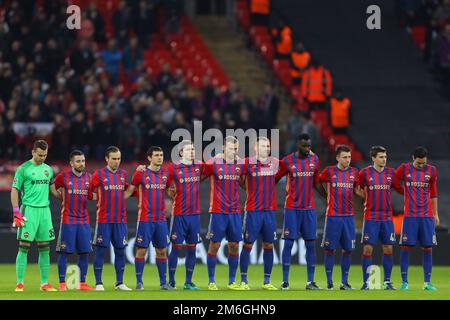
[[440, 278]]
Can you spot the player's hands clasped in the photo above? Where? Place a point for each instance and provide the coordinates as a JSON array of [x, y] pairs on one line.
[[19, 219]]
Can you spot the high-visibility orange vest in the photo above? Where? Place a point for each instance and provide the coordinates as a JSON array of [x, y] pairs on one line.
[[300, 61], [340, 113], [316, 84], [285, 44], [260, 6]]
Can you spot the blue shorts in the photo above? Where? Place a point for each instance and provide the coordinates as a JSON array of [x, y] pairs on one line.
[[185, 229], [225, 225], [339, 230], [74, 237], [421, 229], [115, 233], [157, 232], [259, 223], [374, 230], [299, 223]]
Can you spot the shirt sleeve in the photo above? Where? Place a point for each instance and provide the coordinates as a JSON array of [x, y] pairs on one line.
[[52, 176], [361, 180], [95, 183], [433, 182], [169, 175], [324, 176], [398, 178], [137, 178], [207, 169], [282, 170], [356, 182], [59, 181], [316, 176], [18, 179]]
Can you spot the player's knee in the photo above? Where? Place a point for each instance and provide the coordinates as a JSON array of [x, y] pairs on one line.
[[233, 247], [43, 244], [346, 253], [267, 246], [119, 252], [140, 253], [387, 249], [248, 246], [367, 250], [213, 247], [161, 253], [25, 245], [427, 249], [329, 252], [191, 246], [405, 248]]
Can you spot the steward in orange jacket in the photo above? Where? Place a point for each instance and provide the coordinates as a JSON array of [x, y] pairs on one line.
[[316, 85], [300, 59], [260, 10], [340, 116]]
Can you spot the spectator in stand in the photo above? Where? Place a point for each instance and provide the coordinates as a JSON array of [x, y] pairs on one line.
[[300, 59], [316, 86], [167, 112], [444, 55], [340, 113], [82, 58], [301, 123], [133, 57], [112, 58], [271, 104], [97, 20], [173, 10], [144, 22], [129, 139], [122, 23], [260, 11], [164, 78]]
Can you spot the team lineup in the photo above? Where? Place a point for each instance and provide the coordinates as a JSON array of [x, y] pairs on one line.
[[34, 181]]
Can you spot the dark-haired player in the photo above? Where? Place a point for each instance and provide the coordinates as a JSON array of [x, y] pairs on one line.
[[151, 185], [376, 181], [342, 183], [34, 181], [302, 170], [75, 231], [417, 181], [110, 186]]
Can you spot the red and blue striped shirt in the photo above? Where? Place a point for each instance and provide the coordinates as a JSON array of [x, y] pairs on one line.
[[419, 186], [186, 179], [302, 173], [74, 197], [110, 188], [377, 188], [340, 186], [224, 186], [151, 186], [260, 184]]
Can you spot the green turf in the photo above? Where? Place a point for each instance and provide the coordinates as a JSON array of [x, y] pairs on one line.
[[440, 278]]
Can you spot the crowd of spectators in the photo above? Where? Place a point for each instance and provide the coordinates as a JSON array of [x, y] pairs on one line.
[[49, 74], [433, 16]]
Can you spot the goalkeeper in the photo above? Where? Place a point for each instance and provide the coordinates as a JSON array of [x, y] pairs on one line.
[[34, 180]]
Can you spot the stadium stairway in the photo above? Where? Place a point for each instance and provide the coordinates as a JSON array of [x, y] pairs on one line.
[[395, 101], [241, 64]]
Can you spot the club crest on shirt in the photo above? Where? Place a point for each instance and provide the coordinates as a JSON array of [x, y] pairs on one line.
[[180, 172], [220, 177], [370, 187], [408, 176], [427, 177], [371, 179], [147, 186], [253, 174], [197, 170], [334, 185], [238, 169], [106, 188], [352, 177], [15, 181], [181, 180], [164, 178], [389, 179], [334, 176], [311, 165], [69, 191], [122, 179], [293, 168], [46, 173], [220, 169]]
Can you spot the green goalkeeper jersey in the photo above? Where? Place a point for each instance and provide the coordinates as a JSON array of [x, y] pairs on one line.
[[33, 182]]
